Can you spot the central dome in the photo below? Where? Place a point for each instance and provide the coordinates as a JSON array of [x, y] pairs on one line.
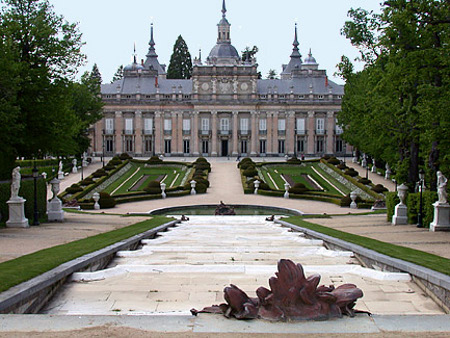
[[224, 50]]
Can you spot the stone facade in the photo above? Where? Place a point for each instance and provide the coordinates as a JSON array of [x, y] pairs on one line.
[[223, 110]]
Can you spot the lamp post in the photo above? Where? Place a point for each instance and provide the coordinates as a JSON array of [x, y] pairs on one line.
[[82, 177], [367, 171], [419, 215], [103, 152], [35, 172], [395, 182]]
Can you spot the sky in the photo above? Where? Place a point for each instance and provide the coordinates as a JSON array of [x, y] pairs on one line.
[[110, 29]]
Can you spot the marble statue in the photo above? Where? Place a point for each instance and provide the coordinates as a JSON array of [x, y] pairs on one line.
[[15, 183], [60, 166], [441, 188]]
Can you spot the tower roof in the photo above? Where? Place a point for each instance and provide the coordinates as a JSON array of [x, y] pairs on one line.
[[152, 58], [296, 57]]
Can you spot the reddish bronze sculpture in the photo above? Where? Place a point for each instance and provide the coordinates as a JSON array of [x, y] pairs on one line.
[[292, 296], [224, 210]]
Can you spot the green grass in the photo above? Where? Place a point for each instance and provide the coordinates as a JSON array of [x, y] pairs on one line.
[[421, 258], [26, 267]]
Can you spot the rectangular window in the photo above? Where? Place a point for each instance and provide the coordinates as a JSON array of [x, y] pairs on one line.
[[282, 125], [224, 124], [300, 126], [300, 146], [186, 124], [263, 124], [339, 129], [186, 147], [244, 124], [109, 145], [109, 126], [320, 125], [168, 124], [280, 146], [205, 124], [244, 147], [339, 146], [129, 144], [205, 147], [148, 125], [319, 145], [167, 146], [262, 146], [129, 126], [148, 145]]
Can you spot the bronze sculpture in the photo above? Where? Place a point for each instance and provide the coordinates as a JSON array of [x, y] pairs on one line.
[[292, 296], [224, 210]]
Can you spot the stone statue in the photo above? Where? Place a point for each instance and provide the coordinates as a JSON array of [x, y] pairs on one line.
[[292, 296], [442, 188], [60, 167], [74, 162], [15, 183]]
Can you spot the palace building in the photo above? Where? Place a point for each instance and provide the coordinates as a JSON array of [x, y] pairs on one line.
[[223, 110]]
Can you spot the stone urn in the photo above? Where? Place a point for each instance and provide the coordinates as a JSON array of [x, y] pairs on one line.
[[163, 190], [286, 190], [353, 196], [55, 212], [256, 183], [193, 184], [401, 211], [96, 198]]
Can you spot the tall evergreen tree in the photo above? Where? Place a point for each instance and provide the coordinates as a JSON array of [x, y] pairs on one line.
[[272, 74], [96, 76], [180, 66], [118, 75]]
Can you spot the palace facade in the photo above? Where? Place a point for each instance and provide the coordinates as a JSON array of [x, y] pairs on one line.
[[223, 110]]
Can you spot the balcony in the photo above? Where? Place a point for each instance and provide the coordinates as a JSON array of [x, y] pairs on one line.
[[204, 132], [224, 132], [148, 131], [320, 131], [128, 132], [281, 132], [338, 131], [300, 132], [244, 132], [108, 131], [263, 132], [186, 132], [167, 132]]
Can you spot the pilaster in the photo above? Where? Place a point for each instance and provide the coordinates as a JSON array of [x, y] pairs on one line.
[[235, 133], [330, 132], [194, 136], [290, 133], [311, 132], [118, 125], [275, 133], [138, 132], [214, 127], [254, 134], [158, 133]]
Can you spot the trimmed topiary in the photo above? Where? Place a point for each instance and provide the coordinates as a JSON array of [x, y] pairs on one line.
[[73, 189], [115, 161], [106, 201], [154, 160], [379, 188], [87, 181], [326, 157], [341, 166], [364, 181], [201, 160], [99, 173], [298, 188], [109, 167], [202, 166], [294, 160], [125, 156], [154, 187], [351, 172], [346, 200], [250, 172], [333, 161]]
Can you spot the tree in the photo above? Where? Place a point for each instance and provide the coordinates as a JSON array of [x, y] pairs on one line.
[[118, 75], [95, 76], [180, 66], [272, 74], [396, 109], [41, 53]]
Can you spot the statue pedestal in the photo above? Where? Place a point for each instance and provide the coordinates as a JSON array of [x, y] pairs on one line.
[[17, 213], [401, 215], [441, 221], [55, 212], [60, 175]]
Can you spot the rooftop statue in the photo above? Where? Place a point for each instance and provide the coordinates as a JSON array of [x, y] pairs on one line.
[[292, 296]]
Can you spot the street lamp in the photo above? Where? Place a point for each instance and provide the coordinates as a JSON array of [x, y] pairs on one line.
[[103, 152], [395, 182], [35, 172], [419, 215], [82, 177]]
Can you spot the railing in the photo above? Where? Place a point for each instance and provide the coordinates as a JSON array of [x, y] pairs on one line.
[[281, 132], [338, 131], [300, 132], [263, 132], [108, 131], [224, 132], [148, 131], [167, 132], [128, 131], [244, 132], [204, 132], [186, 132], [320, 132]]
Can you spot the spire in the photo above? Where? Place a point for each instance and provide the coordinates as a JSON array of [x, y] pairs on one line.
[[152, 42], [295, 51], [200, 54], [134, 54], [152, 58], [296, 44], [224, 9]]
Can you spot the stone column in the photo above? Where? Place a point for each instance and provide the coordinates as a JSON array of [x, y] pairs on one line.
[[214, 127], [235, 133], [290, 133], [311, 123], [174, 149], [194, 135], [138, 133], [275, 133], [158, 133], [330, 133], [254, 134], [268, 133], [180, 133], [118, 125]]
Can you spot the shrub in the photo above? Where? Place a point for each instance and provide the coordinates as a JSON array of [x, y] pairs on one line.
[[413, 204], [73, 189], [246, 163], [203, 181], [115, 161], [294, 160], [154, 160], [379, 188], [250, 172], [106, 201], [200, 188], [99, 173], [364, 181], [153, 187], [341, 166], [326, 157], [351, 172], [125, 156], [109, 167], [202, 166], [298, 188], [201, 160], [391, 201], [86, 181], [333, 161]]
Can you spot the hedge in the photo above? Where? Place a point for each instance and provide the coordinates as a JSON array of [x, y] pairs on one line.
[[391, 201], [26, 191], [413, 204]]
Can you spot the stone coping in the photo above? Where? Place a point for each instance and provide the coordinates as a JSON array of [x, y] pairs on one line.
[[168, 210], [18, 295], [208, 323]]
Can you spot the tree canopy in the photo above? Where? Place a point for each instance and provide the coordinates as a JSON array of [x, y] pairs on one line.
[[396, 108], [118, 75], [40, 54], [180, 66]]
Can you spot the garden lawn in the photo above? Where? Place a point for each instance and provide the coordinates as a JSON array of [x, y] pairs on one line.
[[26, 267], [421, 258]]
